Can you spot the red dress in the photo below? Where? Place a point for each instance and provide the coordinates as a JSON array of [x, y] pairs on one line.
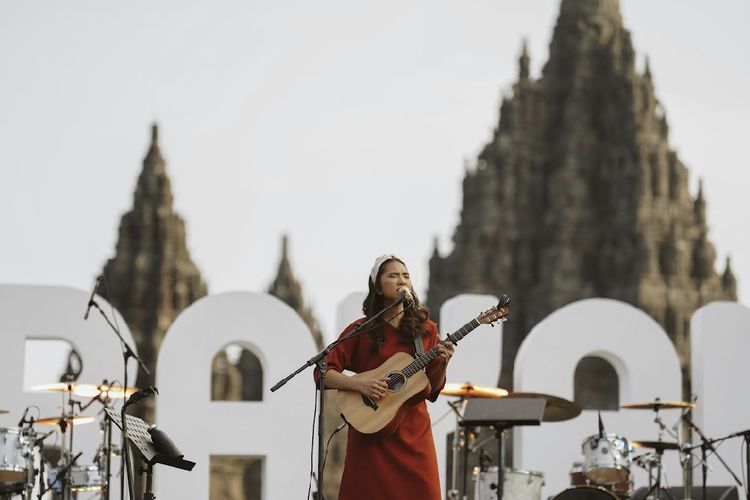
[[402, 465]]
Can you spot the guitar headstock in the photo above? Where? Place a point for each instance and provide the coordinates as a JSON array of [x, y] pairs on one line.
[[497, 313]]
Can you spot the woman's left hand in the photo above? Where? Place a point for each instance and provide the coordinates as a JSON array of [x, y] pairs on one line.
[[446, 351]]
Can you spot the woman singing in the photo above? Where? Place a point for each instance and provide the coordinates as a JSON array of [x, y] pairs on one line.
[[402, 465]]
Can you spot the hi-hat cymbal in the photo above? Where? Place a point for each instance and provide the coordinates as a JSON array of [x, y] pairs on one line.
[[473, 391], [658, 404], [557, 409], [77, 420], [656, 445], [87, 390]]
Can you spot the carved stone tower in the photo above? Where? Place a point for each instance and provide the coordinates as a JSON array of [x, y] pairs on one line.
[[579, 194], [286, 287], [152, 277]]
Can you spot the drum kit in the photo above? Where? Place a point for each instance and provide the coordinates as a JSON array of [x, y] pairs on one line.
[[23, 460], [604, 473]]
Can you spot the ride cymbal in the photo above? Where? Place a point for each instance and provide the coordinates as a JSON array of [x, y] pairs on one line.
[[557, 409], [77, 420], [107, 391], [473, 391], [658, 404], [87, 390], [656, 445]]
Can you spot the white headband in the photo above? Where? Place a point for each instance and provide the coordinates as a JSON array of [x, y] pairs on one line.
[[376, 267]]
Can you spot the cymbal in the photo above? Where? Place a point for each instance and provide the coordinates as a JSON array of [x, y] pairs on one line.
[[111, 391], [473, 391], [77, 420], [557, 409], [54, 387], [656, 445], [87, 390], [657, 404], [3, 412]]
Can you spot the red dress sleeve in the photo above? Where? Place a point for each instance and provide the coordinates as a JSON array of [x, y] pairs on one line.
[[342, 356]]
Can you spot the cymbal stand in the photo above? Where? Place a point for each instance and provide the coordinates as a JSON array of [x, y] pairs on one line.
[[459, 444], [106, 429], [684, 457]]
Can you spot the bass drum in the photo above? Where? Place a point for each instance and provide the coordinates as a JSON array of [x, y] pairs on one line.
[[517, 484], [585, 493], [13, 467]]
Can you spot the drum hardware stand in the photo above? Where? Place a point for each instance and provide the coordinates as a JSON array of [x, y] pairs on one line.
[[106, 428], [459, 443], [142, 441], [319, 360], [127, 353], [656, 488], [503, 414]]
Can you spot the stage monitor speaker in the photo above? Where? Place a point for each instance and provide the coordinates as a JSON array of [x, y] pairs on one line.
[[712, 493]]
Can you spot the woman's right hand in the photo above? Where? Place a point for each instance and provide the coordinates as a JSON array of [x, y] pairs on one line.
[[373, 388]]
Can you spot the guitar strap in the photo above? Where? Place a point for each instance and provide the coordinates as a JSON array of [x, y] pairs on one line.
[[418, 345]]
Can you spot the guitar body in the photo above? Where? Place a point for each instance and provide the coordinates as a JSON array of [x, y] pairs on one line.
[[381, 417]]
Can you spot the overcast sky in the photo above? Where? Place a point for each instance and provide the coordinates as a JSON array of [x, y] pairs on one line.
[[344, 123]]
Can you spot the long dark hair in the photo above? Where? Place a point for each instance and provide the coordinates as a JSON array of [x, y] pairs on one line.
[[412, 321]]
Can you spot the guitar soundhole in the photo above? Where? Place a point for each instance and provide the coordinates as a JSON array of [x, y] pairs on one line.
[[396, 381]]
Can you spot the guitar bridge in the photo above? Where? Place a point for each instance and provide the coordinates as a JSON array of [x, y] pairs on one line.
[[370, 403]]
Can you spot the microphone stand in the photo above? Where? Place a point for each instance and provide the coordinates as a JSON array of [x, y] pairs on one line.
[[319, 360], [746, 438], [708, 444], [127, 353]]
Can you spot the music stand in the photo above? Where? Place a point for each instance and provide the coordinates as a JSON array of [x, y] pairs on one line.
[[502, 414], [139, 436]]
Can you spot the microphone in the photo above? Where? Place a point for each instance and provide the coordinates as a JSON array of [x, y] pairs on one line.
[[23, 418], [91, 299], [143, 393], [404, 295], [44, 436]]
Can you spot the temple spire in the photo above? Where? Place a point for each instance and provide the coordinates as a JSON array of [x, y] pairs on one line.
[[286, 287], [728, 280], [523, 62], [151, 277]]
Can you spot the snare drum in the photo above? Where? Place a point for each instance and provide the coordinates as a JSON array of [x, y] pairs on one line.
[[607, 459], [13, 468], [517, 484], [82, 478], [585, 493]]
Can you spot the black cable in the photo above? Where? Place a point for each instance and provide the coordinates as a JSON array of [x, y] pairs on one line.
[[743, 464], [328, 444], [312, 445]]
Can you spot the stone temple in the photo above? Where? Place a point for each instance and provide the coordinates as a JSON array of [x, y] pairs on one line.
[[578, 193]]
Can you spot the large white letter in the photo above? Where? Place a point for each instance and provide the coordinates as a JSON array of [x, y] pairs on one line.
[[720, 350], [278, 428], [643, 357]]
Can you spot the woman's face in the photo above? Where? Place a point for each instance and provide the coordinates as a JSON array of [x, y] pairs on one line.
[[394, 277]]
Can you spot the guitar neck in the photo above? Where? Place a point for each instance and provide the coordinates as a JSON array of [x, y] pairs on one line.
[[422, 361]]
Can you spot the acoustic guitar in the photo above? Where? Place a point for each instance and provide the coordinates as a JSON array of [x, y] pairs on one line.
[[407, 382]]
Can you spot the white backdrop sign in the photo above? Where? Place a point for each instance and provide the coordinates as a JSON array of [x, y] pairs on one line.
[[56, 312], [720, 350], [278, 428], [634, 344]]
